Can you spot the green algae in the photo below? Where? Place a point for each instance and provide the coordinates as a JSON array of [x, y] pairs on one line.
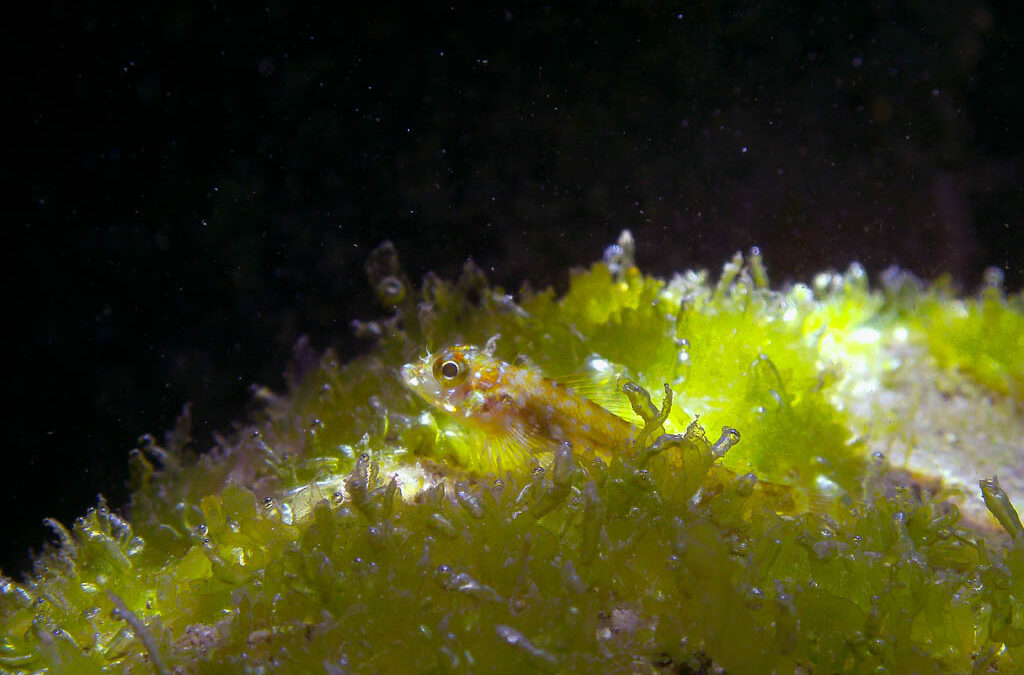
[[351, 529], [981, 337]]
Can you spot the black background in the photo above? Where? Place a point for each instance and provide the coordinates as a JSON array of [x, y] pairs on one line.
[[192, 189]]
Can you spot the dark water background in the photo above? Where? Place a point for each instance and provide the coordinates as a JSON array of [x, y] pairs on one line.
[[193, 189]]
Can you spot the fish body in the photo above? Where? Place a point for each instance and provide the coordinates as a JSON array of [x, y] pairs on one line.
[[518, 408]]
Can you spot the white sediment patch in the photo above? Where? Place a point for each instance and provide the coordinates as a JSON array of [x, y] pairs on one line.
[[927, 421]]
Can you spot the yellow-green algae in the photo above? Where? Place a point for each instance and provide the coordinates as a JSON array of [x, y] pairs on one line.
[[983, 336], [352, 530]]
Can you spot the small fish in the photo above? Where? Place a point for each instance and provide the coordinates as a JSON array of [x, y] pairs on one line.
[[517, 408]]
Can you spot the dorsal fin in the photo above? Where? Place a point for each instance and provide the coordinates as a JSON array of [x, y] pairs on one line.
[[598, 382], [603, 391]]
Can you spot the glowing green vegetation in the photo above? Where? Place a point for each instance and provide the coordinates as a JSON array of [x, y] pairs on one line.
[[354, 530], [981, 337]]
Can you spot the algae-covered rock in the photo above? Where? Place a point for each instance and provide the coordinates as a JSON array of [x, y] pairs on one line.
[[354, 527]]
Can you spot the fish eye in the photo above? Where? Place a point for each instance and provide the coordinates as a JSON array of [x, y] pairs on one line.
[[449, 370]]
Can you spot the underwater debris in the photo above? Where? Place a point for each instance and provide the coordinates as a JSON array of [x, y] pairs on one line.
[[358, 526]]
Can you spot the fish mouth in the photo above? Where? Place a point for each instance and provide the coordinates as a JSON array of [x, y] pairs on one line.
[[410, 375]]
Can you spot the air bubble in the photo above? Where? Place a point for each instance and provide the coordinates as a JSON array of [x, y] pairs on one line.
[[134, 547]]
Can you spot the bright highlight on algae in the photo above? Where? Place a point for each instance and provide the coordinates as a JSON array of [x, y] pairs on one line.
[[693, 475]]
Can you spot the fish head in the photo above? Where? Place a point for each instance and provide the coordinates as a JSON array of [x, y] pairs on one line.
[[446, 378]]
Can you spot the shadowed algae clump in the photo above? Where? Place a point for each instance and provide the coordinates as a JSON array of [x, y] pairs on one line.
[[828, 521]]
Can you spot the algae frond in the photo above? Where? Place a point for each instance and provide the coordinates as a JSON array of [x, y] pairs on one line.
[[352, 529]]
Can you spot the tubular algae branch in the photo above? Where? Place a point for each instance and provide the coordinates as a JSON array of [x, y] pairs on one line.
[[999, 504], [357, 525]]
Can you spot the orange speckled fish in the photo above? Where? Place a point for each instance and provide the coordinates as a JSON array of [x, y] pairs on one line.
[[517, 408]]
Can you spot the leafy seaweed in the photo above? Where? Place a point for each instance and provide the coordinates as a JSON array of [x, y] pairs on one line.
[[351, 529]]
